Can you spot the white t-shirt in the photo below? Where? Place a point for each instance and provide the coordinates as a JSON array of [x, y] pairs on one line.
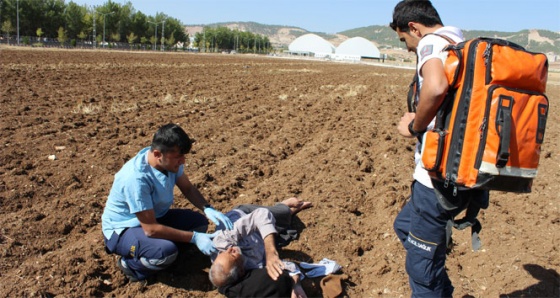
[[431, 47]]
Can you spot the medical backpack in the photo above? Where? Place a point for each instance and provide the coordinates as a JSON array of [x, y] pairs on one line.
[[490, 127]]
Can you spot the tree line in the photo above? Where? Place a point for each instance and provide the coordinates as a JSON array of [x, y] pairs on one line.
[[222, 39], [117, 22], [113, 22]]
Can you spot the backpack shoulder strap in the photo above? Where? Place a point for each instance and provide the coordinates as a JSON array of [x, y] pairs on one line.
[[413, 87], [412, 92], [449, 40]]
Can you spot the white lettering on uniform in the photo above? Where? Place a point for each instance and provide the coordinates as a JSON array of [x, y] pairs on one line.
[[419, 245]]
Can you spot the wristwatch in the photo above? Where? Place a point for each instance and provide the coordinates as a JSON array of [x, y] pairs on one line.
[[207, 206], [412, 131]]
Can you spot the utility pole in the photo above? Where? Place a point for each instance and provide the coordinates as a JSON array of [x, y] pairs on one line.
[[94, 32], [155, 42], [17, 9], [162, 35], [104, 18]]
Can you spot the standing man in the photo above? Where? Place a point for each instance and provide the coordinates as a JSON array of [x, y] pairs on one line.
[[138, 223], [424, 223]]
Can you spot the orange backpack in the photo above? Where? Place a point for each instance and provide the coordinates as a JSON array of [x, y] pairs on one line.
[[489, 130]]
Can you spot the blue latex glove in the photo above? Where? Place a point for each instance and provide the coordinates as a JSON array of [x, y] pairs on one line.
[[204, 242], [218, 217]]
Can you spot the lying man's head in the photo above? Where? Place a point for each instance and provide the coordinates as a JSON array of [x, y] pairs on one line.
[[227, 267]]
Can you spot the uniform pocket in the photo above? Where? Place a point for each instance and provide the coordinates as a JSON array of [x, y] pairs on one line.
[[420, 259]]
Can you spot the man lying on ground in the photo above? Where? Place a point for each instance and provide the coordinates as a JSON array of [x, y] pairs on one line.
[[251, 246]]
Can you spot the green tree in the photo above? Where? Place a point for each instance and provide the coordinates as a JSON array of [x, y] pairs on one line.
[[82, 36], [74, 19], [53, 11], [116, 37], [131, 38], [39, 34], [7, 28], [62, 37], [139, 25], [153, 42], [171, 40], [175, 28]]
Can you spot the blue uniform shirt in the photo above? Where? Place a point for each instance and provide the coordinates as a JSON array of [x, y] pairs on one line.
[[137, 187]]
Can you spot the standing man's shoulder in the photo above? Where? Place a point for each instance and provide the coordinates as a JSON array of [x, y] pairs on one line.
[[451, 32], [432, 45]]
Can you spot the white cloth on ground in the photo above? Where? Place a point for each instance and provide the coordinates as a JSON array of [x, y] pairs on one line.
[[324, 267], [292, 268]]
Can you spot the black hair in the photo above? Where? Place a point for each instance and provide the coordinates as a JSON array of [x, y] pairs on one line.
[[419, 11], [170, 136]]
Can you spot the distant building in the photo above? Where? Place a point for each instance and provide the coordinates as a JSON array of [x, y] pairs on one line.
[[358, 46], [353, 49], [311, 45]]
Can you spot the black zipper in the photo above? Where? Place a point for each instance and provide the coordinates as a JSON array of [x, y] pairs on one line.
[[458, 126], [484, 127]]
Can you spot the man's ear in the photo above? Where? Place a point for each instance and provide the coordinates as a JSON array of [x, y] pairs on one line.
[[157, 153], [414, 29]]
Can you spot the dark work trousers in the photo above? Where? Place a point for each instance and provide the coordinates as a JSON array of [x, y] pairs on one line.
[[281, 213], [144, 255], [422, 228]]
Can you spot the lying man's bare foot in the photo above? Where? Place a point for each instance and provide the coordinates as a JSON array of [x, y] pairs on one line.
[[296, 205]]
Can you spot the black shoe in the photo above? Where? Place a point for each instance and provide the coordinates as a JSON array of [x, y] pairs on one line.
[[126, 271]]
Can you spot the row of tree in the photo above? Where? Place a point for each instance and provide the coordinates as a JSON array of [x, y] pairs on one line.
[[223, 38], [114, 22], [120, 22]]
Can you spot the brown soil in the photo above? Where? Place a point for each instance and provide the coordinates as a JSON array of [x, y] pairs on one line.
[[265, 129]]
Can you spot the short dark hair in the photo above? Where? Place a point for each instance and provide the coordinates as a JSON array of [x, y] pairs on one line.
[[419, 11], [169, 137]]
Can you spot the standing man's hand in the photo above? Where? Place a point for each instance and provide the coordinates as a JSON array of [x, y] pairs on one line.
[[204, 242], [403, 124], [218, 217]]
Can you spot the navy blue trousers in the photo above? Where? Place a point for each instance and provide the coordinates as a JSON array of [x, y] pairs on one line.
[[144, 255], [423, 226]]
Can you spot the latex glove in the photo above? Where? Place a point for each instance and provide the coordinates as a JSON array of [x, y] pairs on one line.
[[204, 242], [218, 217]]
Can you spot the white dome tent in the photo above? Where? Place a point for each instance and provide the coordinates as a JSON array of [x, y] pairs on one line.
[[311, 44], [358, 46]]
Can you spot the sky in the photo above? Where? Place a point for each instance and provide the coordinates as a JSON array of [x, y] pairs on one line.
[[332, 16]]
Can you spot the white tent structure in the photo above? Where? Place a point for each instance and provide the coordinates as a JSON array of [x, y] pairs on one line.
[[358, 46], [311, 44]]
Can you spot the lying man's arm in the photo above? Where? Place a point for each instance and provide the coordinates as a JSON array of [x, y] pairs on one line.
[[274, 265]]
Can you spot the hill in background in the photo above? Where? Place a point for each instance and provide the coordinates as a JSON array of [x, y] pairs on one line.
[[535, 40]]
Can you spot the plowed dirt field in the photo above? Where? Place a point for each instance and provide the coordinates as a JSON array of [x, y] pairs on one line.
[[265, 129]]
